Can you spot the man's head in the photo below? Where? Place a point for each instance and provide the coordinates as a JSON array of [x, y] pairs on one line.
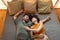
[[25, 17]]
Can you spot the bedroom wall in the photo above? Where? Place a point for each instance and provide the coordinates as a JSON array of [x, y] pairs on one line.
[[2, 6], [57, 4], [54, 1], [5, 2]]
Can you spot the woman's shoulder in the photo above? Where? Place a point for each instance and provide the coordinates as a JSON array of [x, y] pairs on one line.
[[35, 26], [32, 26], [41, 21]]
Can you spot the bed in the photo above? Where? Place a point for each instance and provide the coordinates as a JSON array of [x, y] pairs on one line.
[[52, 27]]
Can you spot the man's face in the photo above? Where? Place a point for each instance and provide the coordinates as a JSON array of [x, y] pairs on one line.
[[26, 18]]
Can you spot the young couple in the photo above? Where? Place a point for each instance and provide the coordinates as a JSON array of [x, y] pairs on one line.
[[31, 28]]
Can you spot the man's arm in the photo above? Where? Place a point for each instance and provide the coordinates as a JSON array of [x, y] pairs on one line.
[[17, 14]]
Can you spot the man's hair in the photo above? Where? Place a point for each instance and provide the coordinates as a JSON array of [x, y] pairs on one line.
[[25, 14], [29, 15]]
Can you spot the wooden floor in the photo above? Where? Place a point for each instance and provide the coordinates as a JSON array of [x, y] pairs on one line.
[[57, 10], [2, 19]]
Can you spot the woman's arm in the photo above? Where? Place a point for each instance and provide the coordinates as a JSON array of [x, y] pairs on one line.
[[46, 19], [35, 30]]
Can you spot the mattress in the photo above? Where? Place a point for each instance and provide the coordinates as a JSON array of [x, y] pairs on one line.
[[52, 27]]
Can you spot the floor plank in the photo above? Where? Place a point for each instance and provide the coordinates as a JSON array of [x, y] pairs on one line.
[[2, 19], [57, 10]]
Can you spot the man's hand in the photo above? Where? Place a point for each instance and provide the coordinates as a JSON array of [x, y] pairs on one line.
[[14, 17], [26, 27]]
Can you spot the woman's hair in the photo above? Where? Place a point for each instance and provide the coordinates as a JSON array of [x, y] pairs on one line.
[[35, 16]]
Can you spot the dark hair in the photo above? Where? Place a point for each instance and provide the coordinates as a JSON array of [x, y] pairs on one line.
[[35, 16], [25, 14], [30, 16]]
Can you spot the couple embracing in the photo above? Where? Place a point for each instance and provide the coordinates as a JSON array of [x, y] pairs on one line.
[[31, 28]]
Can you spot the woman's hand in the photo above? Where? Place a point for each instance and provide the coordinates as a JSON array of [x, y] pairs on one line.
[[48, 17]]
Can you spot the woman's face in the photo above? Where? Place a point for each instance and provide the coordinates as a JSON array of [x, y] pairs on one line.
[[34, 20]]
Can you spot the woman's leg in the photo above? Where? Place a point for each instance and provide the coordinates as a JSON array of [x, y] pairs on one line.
[[40, 37], [36, 39], [46, 37]]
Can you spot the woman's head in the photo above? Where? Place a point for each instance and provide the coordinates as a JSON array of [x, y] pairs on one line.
[[35, 19]]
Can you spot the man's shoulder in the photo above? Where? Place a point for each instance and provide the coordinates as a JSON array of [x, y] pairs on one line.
[[30, 22]]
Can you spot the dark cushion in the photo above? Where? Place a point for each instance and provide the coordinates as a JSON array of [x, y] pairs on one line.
[[30, 6], [44, 6], [14, 7]]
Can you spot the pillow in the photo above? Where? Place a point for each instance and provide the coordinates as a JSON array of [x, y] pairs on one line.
[[44, 6], [30, 6], [14, 7]]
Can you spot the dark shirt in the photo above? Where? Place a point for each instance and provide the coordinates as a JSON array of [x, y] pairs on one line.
[[23, 34]]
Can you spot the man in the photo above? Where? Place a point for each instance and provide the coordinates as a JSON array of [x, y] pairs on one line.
[[23, 34]]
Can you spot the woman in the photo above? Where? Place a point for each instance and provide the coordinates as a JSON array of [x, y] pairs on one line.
[[37, 30]]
